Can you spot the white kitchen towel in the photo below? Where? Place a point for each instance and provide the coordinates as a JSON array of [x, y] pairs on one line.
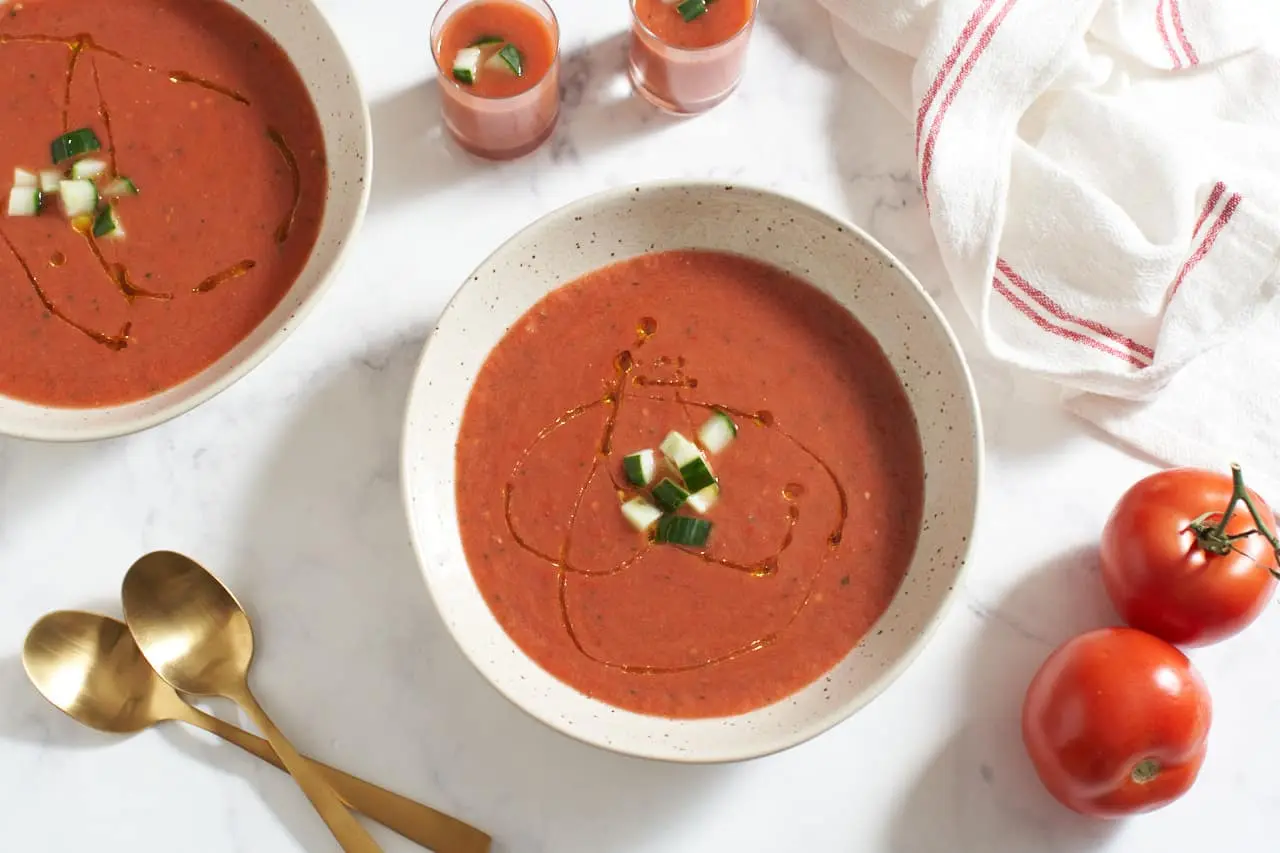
[[1103, 181]]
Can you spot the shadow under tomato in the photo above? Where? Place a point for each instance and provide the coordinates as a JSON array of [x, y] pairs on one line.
[[356, 664], [980, 792]]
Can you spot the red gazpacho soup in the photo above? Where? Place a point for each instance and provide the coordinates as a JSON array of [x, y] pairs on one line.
[[688, 55], [692, 24], [688, 483], [499, 74], [169, 182]]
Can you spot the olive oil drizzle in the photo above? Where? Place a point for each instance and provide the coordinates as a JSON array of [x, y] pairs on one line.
[[119, 274], [765, 418], [103, 113], [625, 375], [286, 225], [561, 562], [112, 342], [648, 669], [184, 77], [77, 49], [83, 43], [674, 382], [228, 274]]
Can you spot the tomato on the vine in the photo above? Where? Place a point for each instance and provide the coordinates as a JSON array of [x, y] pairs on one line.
[[1190, 555], [1116, 722]]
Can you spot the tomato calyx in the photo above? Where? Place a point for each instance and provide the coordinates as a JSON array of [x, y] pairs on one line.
[[1212, 537]]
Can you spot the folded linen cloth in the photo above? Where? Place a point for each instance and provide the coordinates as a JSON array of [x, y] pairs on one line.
[[1103, 181]]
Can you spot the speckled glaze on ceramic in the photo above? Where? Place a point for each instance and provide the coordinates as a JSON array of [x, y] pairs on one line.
[[310, 42], [832, 255]]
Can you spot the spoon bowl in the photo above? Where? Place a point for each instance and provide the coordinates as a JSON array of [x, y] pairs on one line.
[[89, 667], [193, 631], [196, 636]]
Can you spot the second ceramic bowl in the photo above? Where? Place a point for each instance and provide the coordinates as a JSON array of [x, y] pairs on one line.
[[832, 255]]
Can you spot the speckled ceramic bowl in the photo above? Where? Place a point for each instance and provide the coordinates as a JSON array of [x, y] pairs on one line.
[[310, 42], [835, 257]]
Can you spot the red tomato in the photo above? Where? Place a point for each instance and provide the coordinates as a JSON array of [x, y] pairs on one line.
[[1170, 573], [1116, 722]]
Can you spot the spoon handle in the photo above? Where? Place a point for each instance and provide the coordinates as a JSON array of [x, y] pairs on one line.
[[353, 837], [421, 824]]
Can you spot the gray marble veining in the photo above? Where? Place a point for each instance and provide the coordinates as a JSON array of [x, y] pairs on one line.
[[287, 486]]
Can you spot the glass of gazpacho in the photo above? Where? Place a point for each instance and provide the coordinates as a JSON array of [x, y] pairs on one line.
[[499, 64], [687, 55]]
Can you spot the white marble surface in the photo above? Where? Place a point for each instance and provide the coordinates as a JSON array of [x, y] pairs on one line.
[[287, 486]]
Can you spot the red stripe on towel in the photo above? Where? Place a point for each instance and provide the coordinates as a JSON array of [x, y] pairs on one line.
[[983, 42], [1210, 203], [1047, 303], [950, 62], [1164, 35], [1207, 244], [1060, 331], [1182, 33]]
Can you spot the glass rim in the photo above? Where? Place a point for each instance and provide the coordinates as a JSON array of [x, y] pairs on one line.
[[437, 26], [644, 29]]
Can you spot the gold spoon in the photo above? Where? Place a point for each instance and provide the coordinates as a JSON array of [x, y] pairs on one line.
[[89, 667], [197, 637]]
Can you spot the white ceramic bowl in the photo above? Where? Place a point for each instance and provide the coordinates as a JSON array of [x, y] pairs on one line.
[[832, 255], [310, 42]]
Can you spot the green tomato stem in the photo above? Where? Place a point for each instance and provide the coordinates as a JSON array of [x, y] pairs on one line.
[[1216, 540]]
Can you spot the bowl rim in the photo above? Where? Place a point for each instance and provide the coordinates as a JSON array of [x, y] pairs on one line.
[[801, 734], [325, 278]]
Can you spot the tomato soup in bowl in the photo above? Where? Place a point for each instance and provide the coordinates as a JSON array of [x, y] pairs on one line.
[[688, 55], [691, 470], [184, 179], [499, 72]]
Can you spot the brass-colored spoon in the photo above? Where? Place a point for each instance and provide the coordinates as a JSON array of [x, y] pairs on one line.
[[197, 637], [89, 667]]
